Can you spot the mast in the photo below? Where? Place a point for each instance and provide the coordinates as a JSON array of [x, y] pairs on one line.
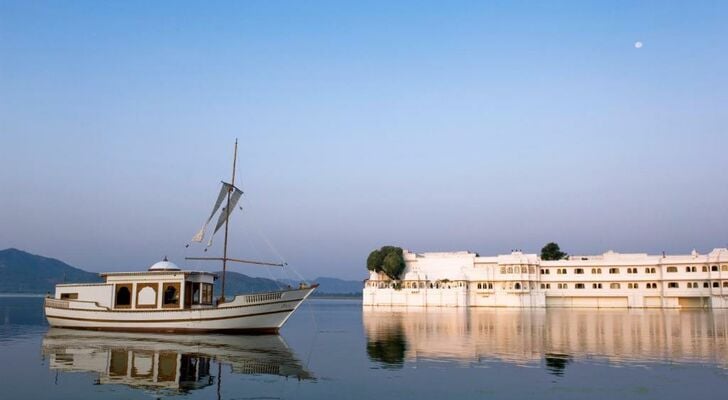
[[227, 219], [230, 190]]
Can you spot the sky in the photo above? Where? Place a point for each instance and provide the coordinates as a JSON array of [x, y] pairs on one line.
[[435, 126]]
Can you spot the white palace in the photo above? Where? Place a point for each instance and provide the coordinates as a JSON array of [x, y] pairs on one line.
[[465, 279]]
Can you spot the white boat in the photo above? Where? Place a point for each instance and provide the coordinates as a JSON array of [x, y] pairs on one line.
[[167, 299]]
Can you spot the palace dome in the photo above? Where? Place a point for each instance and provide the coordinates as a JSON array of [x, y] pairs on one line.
[[164, 265]]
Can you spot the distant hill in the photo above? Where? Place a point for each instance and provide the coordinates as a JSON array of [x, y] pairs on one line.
[[333, 286], [22, 272], [338, 286], [236, 283]]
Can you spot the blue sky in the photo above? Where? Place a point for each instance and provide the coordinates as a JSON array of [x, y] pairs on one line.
[[435, 126]]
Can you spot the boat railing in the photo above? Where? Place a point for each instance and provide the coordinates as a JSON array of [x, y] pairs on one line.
[[264, 297]]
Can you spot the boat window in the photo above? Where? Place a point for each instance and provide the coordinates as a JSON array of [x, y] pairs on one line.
[[69, 296], [206, 293], [171, 295], [195, 293], [123, 296]]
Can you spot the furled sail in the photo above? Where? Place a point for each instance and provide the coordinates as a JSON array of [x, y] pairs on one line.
[[223, 191], [234, 197]]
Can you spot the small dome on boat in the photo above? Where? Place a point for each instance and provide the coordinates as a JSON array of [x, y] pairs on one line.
[[164, 265]]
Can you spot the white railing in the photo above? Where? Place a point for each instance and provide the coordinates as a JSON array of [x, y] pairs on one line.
[[263, 297]]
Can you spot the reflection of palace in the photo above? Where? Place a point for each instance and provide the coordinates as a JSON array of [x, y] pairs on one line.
[[556, 336], [609, 280], [175, 363]]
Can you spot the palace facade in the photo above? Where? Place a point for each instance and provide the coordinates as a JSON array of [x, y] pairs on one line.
[[609, 280]]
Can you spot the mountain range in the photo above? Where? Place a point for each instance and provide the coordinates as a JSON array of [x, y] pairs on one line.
[[22, 272]]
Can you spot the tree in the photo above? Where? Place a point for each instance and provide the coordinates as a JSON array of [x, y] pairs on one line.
[[375, 260], [552, 252], [388, 259], [393, 264]]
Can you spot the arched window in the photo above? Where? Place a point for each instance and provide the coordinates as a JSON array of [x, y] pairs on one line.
[[518, 285], [687, 269], [614, 285], [725, 284], [613, 270], [490, 286], [706, 285], [673, 285], [170, 295], [715, 284], [671, 269], [714, 268], [123, 296], [724, 267], [705, 268], [690, 285], [479, 286]]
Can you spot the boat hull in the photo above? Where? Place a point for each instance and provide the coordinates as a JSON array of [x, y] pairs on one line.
[[255, 313]]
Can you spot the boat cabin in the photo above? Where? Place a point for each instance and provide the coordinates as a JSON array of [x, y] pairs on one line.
[[163, 287]]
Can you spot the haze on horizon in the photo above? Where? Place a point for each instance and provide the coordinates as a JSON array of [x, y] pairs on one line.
[[458, 126]]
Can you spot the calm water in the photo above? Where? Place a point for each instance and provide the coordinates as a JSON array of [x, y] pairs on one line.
[[334, 348]]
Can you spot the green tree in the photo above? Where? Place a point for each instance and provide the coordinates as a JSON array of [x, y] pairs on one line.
[[388, 259], [552, 252], [393, 264], [375, 260]]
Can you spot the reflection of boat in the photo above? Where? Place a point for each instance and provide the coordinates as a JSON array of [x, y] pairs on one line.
[[167, 362], [167, 299], [554, 337]]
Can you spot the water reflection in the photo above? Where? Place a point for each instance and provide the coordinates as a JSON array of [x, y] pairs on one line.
[[168, 363], [553, 338]]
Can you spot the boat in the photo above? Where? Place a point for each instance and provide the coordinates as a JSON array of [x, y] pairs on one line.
[[167, 299], [167, 363]]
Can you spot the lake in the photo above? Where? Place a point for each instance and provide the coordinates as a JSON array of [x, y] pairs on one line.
[[337, 348]]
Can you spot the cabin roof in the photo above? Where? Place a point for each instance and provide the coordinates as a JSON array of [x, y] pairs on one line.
[[158, 272]]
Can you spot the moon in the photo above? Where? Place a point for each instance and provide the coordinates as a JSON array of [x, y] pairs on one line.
[[637, 45]]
